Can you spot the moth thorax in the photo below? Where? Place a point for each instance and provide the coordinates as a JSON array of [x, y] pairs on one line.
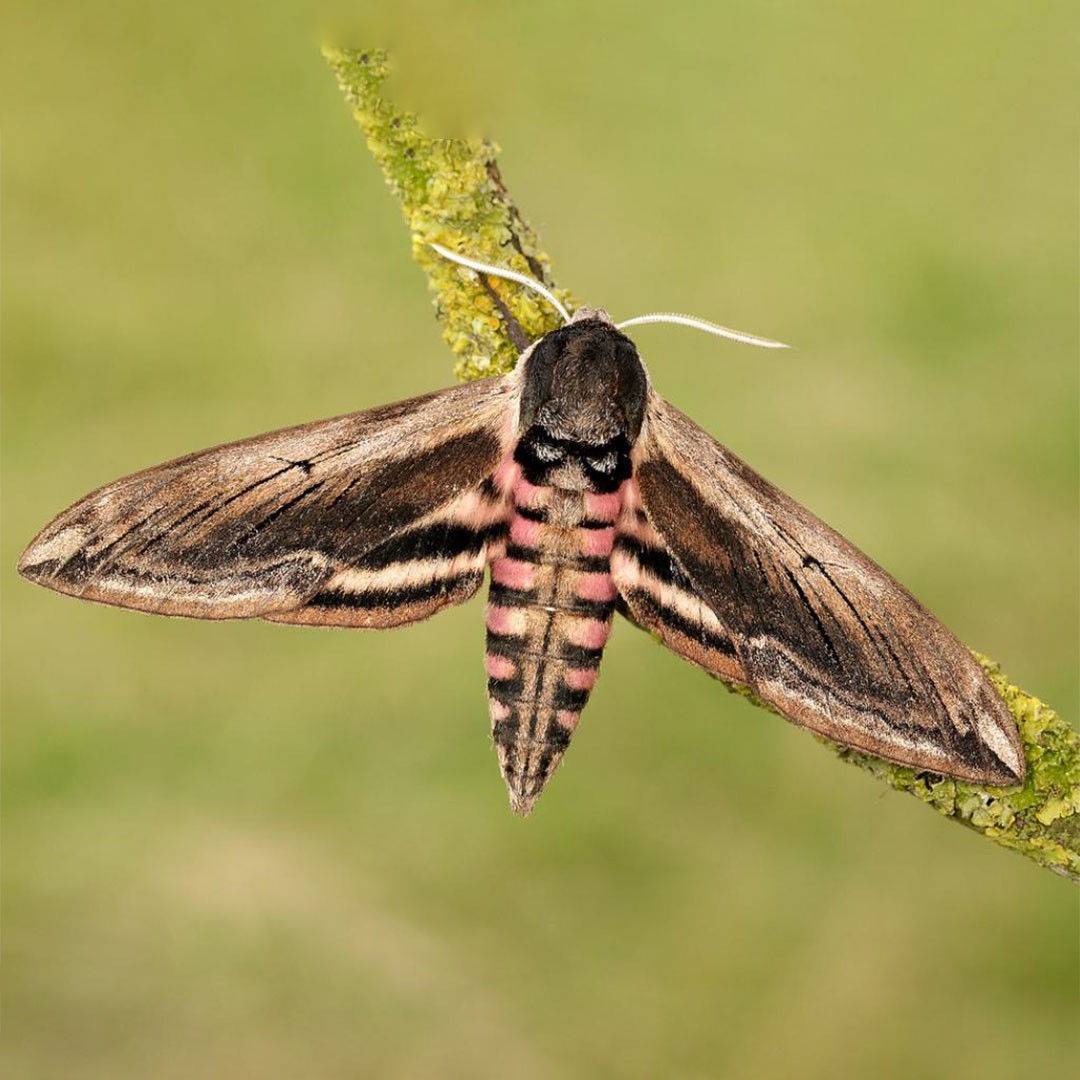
[[588, 422], [584, 383]]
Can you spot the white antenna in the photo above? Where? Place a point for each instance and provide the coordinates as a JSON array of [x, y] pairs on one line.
[[701, 324], [503, 272], [638, 320]]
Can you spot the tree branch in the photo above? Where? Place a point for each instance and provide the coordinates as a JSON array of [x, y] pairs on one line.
[[451, 192]]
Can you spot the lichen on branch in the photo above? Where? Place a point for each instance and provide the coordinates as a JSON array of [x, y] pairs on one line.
[[451, 192]]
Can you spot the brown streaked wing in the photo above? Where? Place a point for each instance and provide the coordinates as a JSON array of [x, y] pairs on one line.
[[656, 594], [819, 631], [324, 523]]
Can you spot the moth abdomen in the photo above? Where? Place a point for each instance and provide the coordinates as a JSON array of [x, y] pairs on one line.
[[550, 607]]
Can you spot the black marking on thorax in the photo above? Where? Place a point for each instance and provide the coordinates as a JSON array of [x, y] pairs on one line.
[[602, 466]]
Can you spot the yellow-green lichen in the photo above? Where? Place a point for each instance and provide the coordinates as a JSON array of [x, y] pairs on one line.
[[451, 193], [1039, 818]]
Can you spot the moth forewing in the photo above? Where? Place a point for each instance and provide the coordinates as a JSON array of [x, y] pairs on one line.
[[815, 627], [277, 524]]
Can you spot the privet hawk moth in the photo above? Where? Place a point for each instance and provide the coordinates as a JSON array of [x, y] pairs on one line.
[[585, 493]]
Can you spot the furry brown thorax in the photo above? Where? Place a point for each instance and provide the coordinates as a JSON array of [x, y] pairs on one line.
[[584, 383]]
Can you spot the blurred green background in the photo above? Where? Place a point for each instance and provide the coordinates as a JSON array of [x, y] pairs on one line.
[[249, 850]]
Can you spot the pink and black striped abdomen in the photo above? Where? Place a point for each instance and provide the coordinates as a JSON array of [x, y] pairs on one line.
[[549, 616]]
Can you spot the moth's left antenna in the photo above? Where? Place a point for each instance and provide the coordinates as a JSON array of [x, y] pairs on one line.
[[503, 272]]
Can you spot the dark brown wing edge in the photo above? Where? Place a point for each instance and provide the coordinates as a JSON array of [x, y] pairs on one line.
[[739, 578], [370, 519]]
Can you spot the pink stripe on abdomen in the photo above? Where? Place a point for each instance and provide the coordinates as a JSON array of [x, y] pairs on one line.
[[581, 678], [598, 587], [524, 532], [500, 667], [589, 633], [505, 622], [597, 541], [513, 573], [604, 507]]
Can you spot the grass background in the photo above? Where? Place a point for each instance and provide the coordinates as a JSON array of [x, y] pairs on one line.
[[250, 850]]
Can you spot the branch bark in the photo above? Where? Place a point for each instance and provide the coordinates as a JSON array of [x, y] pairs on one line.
[[451, 192]]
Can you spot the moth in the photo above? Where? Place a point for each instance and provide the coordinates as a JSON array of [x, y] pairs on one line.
[[584, 493]]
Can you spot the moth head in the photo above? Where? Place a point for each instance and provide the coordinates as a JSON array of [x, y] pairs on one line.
[[584, 382]]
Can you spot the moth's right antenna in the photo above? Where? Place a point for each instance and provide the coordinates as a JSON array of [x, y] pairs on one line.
[[702, 324], [503, 272]]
